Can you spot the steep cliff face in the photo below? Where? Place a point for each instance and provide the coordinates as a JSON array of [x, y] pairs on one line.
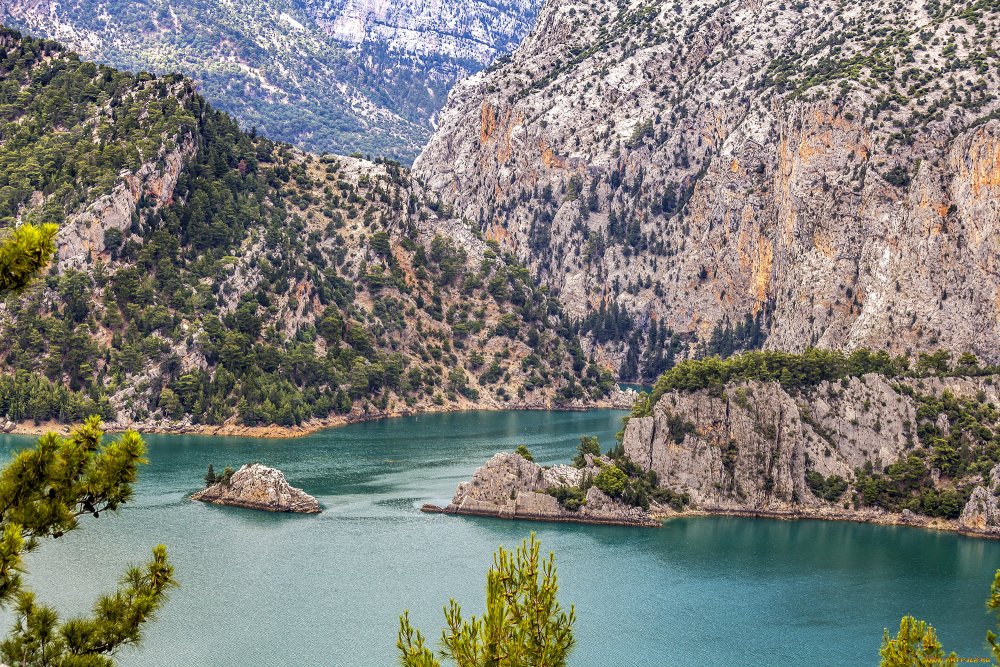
[[81, 238], [346, 76], [866, 448], [470, 33], [831, 169]]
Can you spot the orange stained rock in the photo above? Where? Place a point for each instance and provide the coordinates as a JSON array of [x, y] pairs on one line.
[[763, 262], [499, 234], [822, 243], [549, 157], [487, 122], [984, 158]]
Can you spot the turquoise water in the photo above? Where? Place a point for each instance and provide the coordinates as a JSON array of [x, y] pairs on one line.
[[269, 589]]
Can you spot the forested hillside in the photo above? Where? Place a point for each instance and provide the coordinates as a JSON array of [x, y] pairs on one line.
[[210, 276]]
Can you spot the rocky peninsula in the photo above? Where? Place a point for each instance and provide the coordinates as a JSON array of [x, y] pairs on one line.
[[255, 486], [871, 449], [510, 486]]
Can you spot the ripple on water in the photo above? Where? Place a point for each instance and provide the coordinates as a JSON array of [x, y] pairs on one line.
[[270, 589]]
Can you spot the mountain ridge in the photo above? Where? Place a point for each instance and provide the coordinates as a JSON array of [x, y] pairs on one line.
[[352, 76], [209, 277], [824, 171]]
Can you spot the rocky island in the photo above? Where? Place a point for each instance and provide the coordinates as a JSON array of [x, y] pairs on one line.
[[258, 487], [512, 486]]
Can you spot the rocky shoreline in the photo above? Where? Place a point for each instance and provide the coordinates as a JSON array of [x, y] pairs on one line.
[[756, 449], [872, 517], [509, 486], [274, 431], [257, 487], [562, 517]]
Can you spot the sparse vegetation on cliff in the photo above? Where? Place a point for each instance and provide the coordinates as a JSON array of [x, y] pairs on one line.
[[807, 369]]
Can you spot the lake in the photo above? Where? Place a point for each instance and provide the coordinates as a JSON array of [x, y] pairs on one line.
[[326, 590]]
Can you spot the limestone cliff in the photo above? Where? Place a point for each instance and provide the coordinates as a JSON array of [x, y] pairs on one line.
[[258, 487], [866, 448], [509, 486], [832, 168]]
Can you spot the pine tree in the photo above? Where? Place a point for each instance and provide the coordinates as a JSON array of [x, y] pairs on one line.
[[24, 253], [210, 477], [44, 491], [993, 604], [524, 625], [916, 645]]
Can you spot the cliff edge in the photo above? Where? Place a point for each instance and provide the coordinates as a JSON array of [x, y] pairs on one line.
[[914, 451]]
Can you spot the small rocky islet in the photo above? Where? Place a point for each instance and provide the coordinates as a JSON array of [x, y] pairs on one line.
[[511, 486], [258, 487]]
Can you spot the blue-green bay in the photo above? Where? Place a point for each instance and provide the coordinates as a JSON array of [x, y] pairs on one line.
[[309, 591]]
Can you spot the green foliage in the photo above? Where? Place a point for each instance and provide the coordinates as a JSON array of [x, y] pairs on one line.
[[993, 604], [829, 488], [791, 370], [523, 625], [44, 490], [611, 480], [915, 645], [524, 452], [24, 253], [210, 477], [69, 137], [570, 497], [588, 445]]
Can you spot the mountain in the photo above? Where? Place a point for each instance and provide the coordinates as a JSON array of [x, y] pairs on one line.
[[860, 437], [344, 77], [704, 177], [208, 277]]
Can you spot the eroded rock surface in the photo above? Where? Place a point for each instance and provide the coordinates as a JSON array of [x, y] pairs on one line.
[[509, 486], [747, 450], [700, 162], [258, 487]]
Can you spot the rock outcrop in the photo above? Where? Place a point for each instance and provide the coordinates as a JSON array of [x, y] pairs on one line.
[[509, 486], [982, 513], [700, 162], [258, 487], [751, 449]]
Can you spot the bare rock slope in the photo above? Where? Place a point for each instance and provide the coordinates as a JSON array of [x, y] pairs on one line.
[[831, 167], [258, 487]]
